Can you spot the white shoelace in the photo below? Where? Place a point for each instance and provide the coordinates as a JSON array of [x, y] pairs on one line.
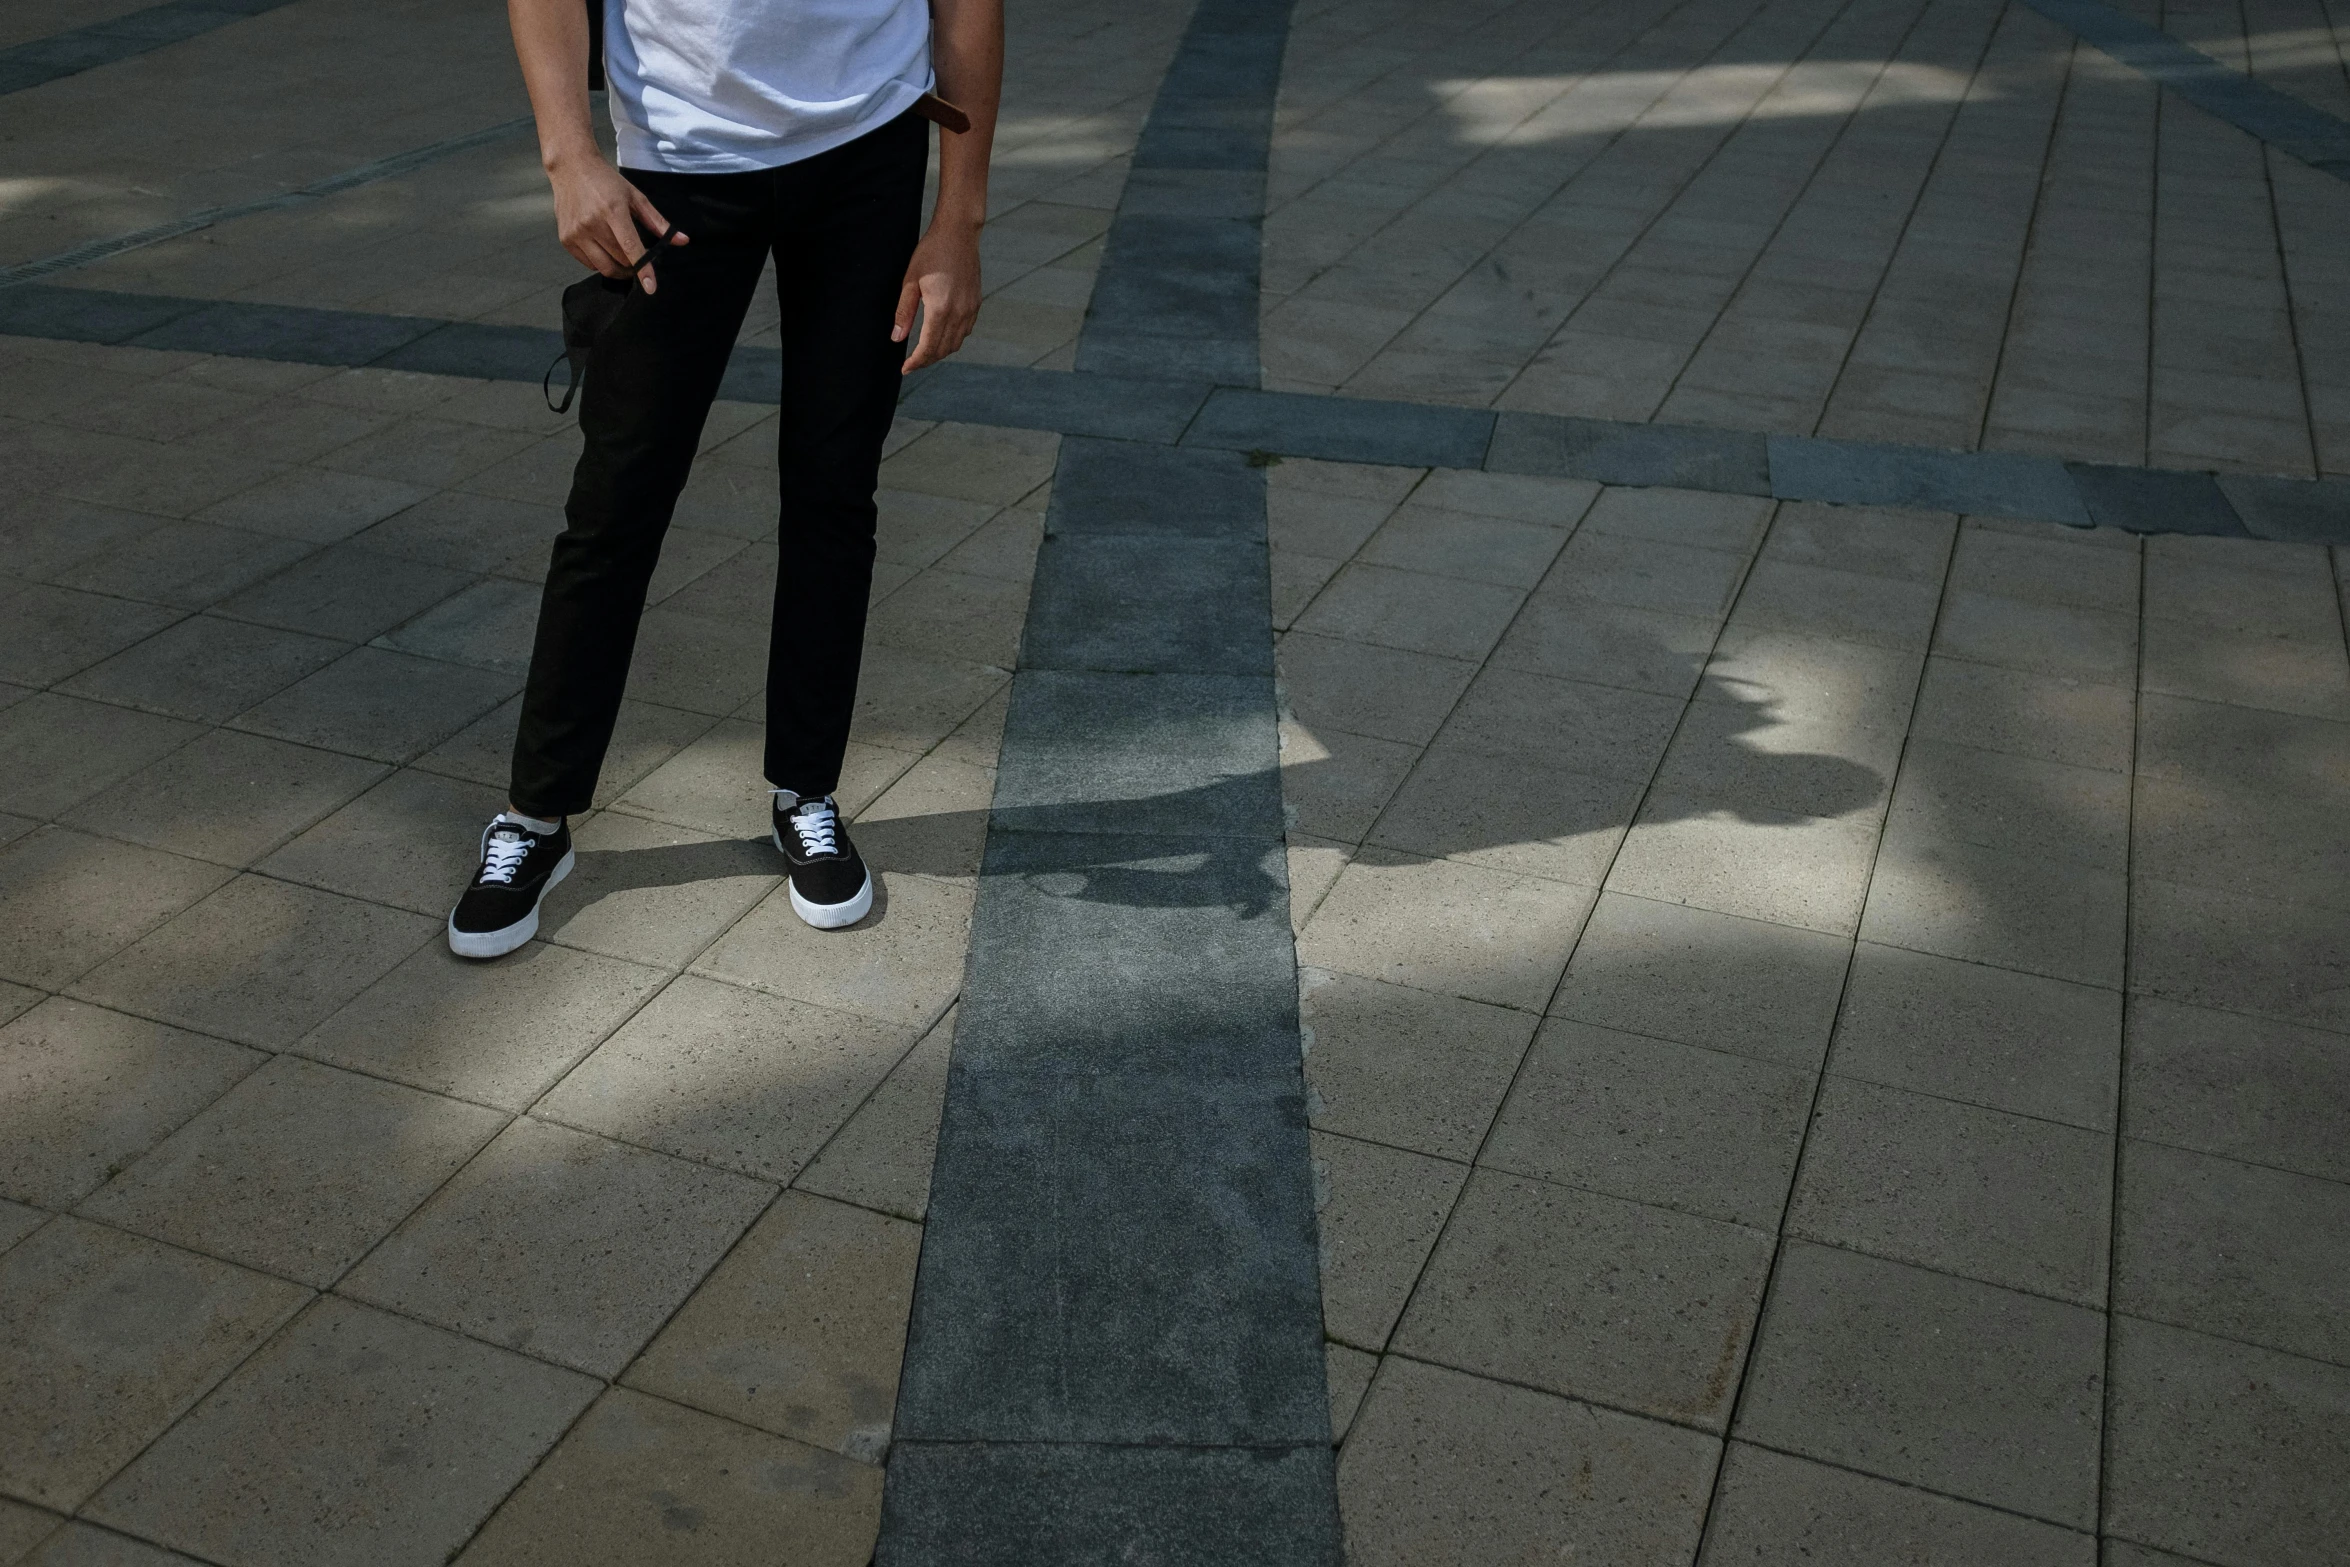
[[502, 852], [818, 827]]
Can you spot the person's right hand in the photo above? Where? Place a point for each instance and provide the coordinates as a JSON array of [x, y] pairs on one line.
[[597, 212]]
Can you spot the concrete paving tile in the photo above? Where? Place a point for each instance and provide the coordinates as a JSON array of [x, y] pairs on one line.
[[932, 821], [1463, 544], [1362, 688], [1334, 784], [688, 555], [974, 462], [258, 961], [497, 1034], [1378, 1213], [561, 1245], [911, 701], [1517, 814], [1441, 616], [1744, 860], [801, 1329], [379, 704], [226, 797], [1591, 1296], [205, 668], [297, 1170], [85, 1545], [1180, 754], [18, 1221], [2207, 743], [1807, 767], [2041, 639], [881, 1156], [1387, 483], [313, 504], [344, 592], [1876, 541], [285, 1480], [1642, 573], [186, 564], [2233, 1249], [1294, 580], [916, 529], [2225, 1451], [1971, 1390], [901, 964], [730, 1077], [1350, 1372], [1823, 601], [1606, 644], [423, 450], [463, 532], [22, 1528], [1406, 1067], [1444, 1470], [489, 625], [390, 391], [2250, 669], [411, 842], [1790, 677], [2013, 908], [89, 1091], [2250, 839], [1318, 522], [44, 535], [2240, 954], [1687, 974], [1772, 1507], [1657, 1122], [639, 1479], [2047, 570], [655, 894], [1981, 1193], [2050, 718], [2076, 815], [1564, 723], [52, 632], [2237, 1086], [646, 736], [1690, 517], [703, 666], [715, 784], [113, 1338], [69, 900], [953, 614], [1457, 930], [1984, 1036]]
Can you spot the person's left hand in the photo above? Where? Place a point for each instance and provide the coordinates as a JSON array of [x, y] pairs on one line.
[[943, 278]]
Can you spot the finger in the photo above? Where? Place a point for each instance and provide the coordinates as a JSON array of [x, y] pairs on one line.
[[926, 345], [627, 247], [908, 297]]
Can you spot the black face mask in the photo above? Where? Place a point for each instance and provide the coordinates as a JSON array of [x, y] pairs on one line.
[[590, 306]]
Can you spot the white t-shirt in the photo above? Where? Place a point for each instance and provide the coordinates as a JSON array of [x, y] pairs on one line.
[[722, 86]]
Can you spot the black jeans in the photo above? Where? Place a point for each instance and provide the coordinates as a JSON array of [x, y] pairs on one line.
[[842, 227]]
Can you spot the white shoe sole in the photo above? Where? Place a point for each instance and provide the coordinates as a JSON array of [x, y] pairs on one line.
[[497, 943], [830, 916]]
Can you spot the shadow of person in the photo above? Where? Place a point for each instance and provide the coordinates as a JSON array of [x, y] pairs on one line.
[[1527, 797]]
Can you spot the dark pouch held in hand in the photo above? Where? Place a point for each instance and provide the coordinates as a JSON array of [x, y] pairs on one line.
[[590, 306]]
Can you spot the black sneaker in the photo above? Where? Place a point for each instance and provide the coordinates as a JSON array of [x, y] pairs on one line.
[[500, 911], [830, 886]]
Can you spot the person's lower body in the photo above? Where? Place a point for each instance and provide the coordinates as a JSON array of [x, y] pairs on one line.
[[841, 227]]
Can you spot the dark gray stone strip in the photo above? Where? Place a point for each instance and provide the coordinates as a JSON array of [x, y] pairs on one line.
[[2280, 119], [1122, 426], [102, 43], [1115, 1353]]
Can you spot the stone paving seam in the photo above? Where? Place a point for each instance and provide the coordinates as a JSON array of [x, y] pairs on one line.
[[79, 49], [1116, 1343], [2252, 106], [1207, 414]]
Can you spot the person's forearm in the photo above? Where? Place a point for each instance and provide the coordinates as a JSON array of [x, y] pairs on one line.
[[967, 53], [551, 40]]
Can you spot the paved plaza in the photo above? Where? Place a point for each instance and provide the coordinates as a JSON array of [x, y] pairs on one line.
[[1691, 1024]]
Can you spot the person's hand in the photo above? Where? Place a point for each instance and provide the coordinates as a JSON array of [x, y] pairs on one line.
[[596, 214], [943, 278]]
